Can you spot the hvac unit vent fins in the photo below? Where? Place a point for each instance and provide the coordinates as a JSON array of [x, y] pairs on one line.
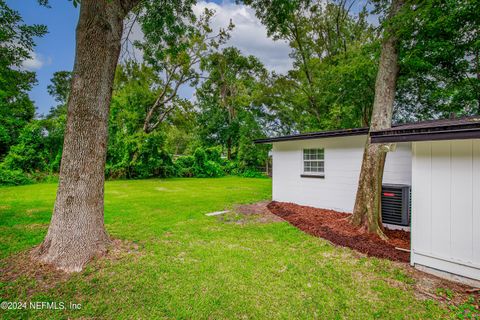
[[396, 204]]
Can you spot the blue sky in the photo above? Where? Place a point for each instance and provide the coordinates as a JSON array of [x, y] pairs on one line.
[[56, 50]]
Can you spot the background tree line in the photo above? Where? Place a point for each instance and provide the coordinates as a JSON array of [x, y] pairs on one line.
[[155, 132]]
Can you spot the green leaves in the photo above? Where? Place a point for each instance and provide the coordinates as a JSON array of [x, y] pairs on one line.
[[167, 26], [276, 14], [75, 2], [46, 3], [231, 112], [174, 50], [334, 54], [439, 59], [59, 88], [16, 46]]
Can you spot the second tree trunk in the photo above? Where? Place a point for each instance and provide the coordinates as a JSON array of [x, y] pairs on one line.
[[367, 210]]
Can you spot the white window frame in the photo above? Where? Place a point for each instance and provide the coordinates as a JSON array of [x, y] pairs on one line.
[[315, 158]]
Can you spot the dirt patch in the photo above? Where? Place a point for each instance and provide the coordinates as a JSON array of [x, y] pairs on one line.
[[33, 212], [20, 268], [259, 209], [245, 213], [462, 299], [335, 227], [34, 226]]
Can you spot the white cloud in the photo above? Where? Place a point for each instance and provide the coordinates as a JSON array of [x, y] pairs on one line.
[[36, 61], [249, 35]]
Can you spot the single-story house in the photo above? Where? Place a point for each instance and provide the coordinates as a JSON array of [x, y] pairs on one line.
[[431, 185]]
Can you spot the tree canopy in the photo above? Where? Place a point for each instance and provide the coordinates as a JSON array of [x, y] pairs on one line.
[[16, 45], [440, 60], [192, 90]]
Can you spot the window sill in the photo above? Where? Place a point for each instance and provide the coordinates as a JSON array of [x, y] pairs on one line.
[[318, 176]]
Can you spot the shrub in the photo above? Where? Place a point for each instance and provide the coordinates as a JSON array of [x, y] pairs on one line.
[[202, 167], [185, 161], [214, 154], [149, 159], [251, 173], [184, 166], [29, 154], [46, 177], [139, 156], [251, 155], [185, 172], [200, 157], [116, 171], [231, 167], [212, 169], [13, 177]]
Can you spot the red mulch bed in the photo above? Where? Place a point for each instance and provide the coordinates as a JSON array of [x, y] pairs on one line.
[[335, 227]]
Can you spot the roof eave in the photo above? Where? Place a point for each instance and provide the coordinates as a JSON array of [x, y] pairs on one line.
[[411, 136], [315, 135]]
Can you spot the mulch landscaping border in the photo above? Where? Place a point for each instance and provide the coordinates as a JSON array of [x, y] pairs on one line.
[[335, 227]]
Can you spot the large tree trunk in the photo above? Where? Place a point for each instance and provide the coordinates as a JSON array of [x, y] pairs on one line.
[[367, 210], [77, 233]]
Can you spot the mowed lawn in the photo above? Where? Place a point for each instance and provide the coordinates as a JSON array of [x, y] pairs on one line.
[[186, 265]]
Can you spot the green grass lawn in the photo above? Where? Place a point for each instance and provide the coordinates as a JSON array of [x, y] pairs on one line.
[[190, 266]]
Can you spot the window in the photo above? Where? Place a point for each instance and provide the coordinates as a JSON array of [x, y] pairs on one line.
[[313, 163]]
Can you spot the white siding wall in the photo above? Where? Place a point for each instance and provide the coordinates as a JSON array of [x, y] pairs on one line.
[[446, 206], [343, 159]]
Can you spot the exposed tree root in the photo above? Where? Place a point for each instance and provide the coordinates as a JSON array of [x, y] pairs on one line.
[[26, 265], [69, 258]]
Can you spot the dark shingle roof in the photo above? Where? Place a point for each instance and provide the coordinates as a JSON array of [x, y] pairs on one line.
[[444, 129], [316, 135]]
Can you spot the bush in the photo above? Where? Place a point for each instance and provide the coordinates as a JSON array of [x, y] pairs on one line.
[[212, 169], [184, 166], [202, 167], [116, 171], [28, 155], [45, 177], [200, 157], [13, 177], [214, 154], [231, 167], [251, 173], [38, 150], [139, 156], [185, 162], [149, 159]]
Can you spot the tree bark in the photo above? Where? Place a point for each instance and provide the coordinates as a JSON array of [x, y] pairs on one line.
[[76, 233], [477, 55], [229, 148], [367, 210]]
